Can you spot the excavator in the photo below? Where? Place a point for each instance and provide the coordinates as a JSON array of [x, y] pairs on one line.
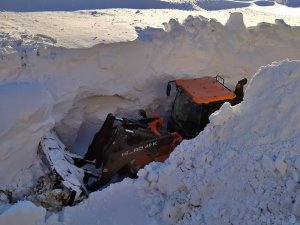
[[123, 146]]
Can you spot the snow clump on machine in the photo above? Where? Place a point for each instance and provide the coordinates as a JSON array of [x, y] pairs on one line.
[[244, 168]]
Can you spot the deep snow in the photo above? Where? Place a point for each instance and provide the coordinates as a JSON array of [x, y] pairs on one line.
[[85, 84], [87, 28], [242, 169]]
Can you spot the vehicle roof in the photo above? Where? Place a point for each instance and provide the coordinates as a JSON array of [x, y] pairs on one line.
[[205, 90]]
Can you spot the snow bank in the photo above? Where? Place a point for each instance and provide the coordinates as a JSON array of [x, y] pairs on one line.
[[232, 173], [25, 116], [117, 204], [86, 84], [23, 213], [244, 167]]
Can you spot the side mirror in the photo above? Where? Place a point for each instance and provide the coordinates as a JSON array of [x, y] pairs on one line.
[[243, 81], [168, 89], [239, 92]]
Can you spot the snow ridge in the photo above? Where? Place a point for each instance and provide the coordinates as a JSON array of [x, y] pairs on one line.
[[243, 169]]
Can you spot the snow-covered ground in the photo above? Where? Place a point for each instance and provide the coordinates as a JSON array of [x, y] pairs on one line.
[[68, 69], [77, 29]]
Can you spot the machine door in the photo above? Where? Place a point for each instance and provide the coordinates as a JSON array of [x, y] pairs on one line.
[[186, 115], [189, 118]]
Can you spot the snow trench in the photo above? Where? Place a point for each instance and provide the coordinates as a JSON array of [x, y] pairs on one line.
[[242, 169], [73, 89]]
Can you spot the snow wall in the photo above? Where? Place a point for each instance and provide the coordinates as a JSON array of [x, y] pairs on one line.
[[74, 89]]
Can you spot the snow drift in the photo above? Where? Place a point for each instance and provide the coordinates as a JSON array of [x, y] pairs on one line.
[[23, 213], [82, 85], [26, 115], [244, 167]]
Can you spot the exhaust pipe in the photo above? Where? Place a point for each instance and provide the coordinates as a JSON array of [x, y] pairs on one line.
[[239, 91]]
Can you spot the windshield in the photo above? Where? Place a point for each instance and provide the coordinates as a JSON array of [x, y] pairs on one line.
[[188, 118], [186, 113]]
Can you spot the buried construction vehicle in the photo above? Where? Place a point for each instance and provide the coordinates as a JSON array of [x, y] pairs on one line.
[[126, 145]]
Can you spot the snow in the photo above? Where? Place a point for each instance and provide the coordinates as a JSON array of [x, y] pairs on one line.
[[228, 174], [236, 22], [23, 213], [69, 69], [238, 170], [55, 152], [82, 84], [117, 204], [25, 116]]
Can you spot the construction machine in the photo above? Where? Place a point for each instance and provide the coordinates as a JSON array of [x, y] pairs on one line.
[[125, 145], [196, 99]]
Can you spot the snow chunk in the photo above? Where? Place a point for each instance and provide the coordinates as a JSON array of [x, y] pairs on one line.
[[296, 207], [236, 21], [268, 163], [281, 166], [297, 163], [219, 117], [24, 212]]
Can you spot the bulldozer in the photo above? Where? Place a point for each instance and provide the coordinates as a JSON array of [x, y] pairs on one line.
[[123, 146]]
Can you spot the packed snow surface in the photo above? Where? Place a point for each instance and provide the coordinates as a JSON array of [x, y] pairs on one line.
[[120, 20]]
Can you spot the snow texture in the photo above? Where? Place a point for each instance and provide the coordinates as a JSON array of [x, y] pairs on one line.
[[76, 88], [234, 172], [243, 169], [25, 116], [23, 213]]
